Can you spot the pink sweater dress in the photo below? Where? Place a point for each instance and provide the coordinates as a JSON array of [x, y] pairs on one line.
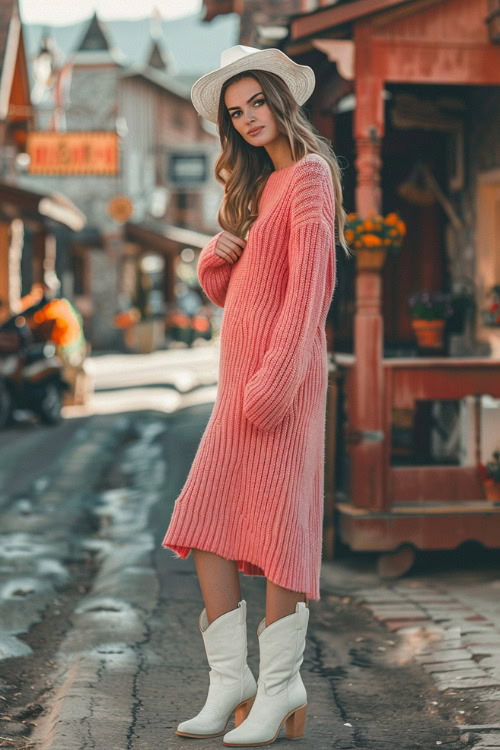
[[254, 493]]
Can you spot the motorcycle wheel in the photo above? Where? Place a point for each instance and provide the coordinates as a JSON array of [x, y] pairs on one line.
[[50, 404], [5, 406]]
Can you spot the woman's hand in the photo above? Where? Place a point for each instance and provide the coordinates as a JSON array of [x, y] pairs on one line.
[[229, 247]]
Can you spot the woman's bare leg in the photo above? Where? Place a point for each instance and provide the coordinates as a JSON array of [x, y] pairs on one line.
[[281, 602], [219, 583]]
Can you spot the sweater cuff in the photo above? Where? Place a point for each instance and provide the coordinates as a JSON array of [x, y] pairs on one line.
[[208, 257], [267, 400], [213, 272]]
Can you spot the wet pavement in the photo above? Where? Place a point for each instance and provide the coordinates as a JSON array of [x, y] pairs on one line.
[[99, 639]]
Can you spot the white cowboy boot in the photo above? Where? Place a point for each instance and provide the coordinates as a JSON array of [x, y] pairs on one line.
[[232, 684], [281, 695]]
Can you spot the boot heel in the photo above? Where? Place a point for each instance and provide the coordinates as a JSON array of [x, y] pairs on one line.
[[295, 724], [242, 711]]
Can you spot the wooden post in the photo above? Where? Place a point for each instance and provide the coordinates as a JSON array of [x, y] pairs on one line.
[[366, 412]]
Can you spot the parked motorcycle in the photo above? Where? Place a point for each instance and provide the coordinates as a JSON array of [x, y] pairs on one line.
[[30, 374]]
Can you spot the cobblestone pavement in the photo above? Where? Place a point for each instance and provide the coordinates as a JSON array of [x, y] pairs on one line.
[[448, 621]]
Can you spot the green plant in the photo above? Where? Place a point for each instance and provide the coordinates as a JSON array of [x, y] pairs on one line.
[[426, 305]]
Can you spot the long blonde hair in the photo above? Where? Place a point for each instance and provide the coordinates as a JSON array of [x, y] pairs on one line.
[[243, 169]]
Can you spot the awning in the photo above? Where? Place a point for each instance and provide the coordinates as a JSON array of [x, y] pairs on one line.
[[166, 238], [332, 16], [55, 206]]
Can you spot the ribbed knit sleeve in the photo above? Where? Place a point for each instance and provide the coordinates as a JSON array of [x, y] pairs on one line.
[[270, 392], [213, 272]]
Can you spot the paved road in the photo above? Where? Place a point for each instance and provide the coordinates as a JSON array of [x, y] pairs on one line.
[[108, 618]]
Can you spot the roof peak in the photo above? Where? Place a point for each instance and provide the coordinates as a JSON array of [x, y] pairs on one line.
[[95, 38]]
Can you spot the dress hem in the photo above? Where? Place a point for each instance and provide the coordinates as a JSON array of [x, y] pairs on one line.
[[247, 567]]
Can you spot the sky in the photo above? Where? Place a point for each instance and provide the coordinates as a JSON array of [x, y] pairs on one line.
[[62, 12]]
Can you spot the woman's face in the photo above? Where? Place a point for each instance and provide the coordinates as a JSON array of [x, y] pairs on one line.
[[248, 109]]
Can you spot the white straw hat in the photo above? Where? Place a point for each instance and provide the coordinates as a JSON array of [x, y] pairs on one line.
[[205, 92]]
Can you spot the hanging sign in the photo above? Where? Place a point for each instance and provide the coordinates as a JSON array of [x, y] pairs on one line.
[[73, 153]]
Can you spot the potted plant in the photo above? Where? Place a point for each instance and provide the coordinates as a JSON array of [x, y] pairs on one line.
[[490, 477], [373, 237], [429, 311], [491, 316]]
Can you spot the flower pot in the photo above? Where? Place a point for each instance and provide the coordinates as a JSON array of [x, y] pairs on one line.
[[370, 258], [492, 490], [429, 333], [146, 336], [127, 318]]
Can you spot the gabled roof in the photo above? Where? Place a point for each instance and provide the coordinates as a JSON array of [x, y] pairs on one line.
[[95, 47], [11, 54], [156, 59], [8, 8], [94, 38], [190, 46]]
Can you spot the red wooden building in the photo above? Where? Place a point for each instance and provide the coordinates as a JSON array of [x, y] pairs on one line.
[[433, 67]]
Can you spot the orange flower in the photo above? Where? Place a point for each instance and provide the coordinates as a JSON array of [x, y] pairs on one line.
[[371, 240], [352, 217], [349, 235], [402, 227], [387, 241]]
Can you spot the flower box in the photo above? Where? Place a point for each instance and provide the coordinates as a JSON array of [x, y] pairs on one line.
[[372, 238], [368, 258]]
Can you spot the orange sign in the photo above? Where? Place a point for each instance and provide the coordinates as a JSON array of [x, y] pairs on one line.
[[120, 208], [73, 153]]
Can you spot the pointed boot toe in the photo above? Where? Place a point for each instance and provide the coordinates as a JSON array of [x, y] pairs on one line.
[[281, 694], [232, 684]]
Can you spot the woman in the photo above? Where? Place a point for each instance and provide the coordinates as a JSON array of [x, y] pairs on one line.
[[253, 499]]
